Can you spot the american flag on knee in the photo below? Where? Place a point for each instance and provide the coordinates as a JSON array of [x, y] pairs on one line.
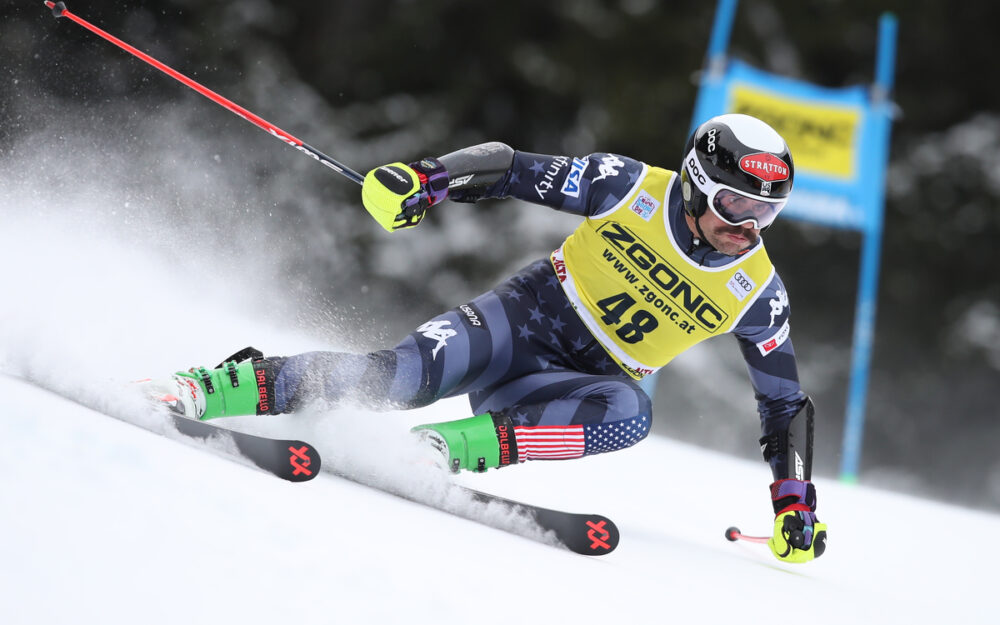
[[563, 442]]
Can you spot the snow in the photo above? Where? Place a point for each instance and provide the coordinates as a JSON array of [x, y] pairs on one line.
[[107, 523]]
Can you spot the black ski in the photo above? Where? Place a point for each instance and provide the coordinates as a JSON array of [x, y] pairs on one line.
[[292, 460], [586, 534], [298, 461]]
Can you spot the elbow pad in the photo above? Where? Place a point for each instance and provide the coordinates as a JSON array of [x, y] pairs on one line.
[[475, 169]]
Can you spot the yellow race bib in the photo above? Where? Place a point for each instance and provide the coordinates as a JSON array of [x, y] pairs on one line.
[[638, 293]]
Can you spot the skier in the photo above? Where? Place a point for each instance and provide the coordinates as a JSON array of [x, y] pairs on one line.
[[550, 357]]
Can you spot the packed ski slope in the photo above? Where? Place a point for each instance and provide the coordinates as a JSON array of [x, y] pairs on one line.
[[107, 523], [104, 522]]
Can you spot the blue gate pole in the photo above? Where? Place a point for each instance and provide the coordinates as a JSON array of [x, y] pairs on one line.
[[875, 154], [722, 27], [715, 61]]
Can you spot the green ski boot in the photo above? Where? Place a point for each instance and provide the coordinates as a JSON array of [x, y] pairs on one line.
[[476, 444], [235, 387]]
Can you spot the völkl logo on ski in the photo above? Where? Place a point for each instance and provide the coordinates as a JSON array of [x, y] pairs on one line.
[[300, 454], [598, 535]]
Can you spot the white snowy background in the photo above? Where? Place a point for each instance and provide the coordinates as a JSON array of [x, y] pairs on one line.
[[104, 522]]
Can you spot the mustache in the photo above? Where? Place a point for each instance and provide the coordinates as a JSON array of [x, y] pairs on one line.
[[736, 230]]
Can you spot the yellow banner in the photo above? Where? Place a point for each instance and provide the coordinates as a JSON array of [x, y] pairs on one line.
[[822, 138]]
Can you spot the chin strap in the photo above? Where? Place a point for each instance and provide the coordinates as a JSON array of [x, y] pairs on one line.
[[701, 240]]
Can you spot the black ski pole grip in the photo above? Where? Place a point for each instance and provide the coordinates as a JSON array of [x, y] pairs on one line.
[[58, 8]]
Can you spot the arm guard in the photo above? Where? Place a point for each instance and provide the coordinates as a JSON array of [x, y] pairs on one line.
[[790, 451], [476, 169]]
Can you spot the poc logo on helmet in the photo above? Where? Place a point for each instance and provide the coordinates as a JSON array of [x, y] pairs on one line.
[[696, 172], [711, 139]]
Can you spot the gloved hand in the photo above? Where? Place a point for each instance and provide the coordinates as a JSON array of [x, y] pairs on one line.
[[798, 534], [398, 195]]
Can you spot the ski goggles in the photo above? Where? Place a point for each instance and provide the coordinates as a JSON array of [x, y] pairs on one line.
[[737, 208], [730, 205]]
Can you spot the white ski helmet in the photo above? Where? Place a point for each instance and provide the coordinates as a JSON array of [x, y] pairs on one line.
[[739, 167]]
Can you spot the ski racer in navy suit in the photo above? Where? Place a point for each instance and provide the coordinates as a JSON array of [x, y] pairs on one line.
[[550, 358]]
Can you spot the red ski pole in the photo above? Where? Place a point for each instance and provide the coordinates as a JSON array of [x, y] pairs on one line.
[[59, 10], [795, 538], [734, 534]]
